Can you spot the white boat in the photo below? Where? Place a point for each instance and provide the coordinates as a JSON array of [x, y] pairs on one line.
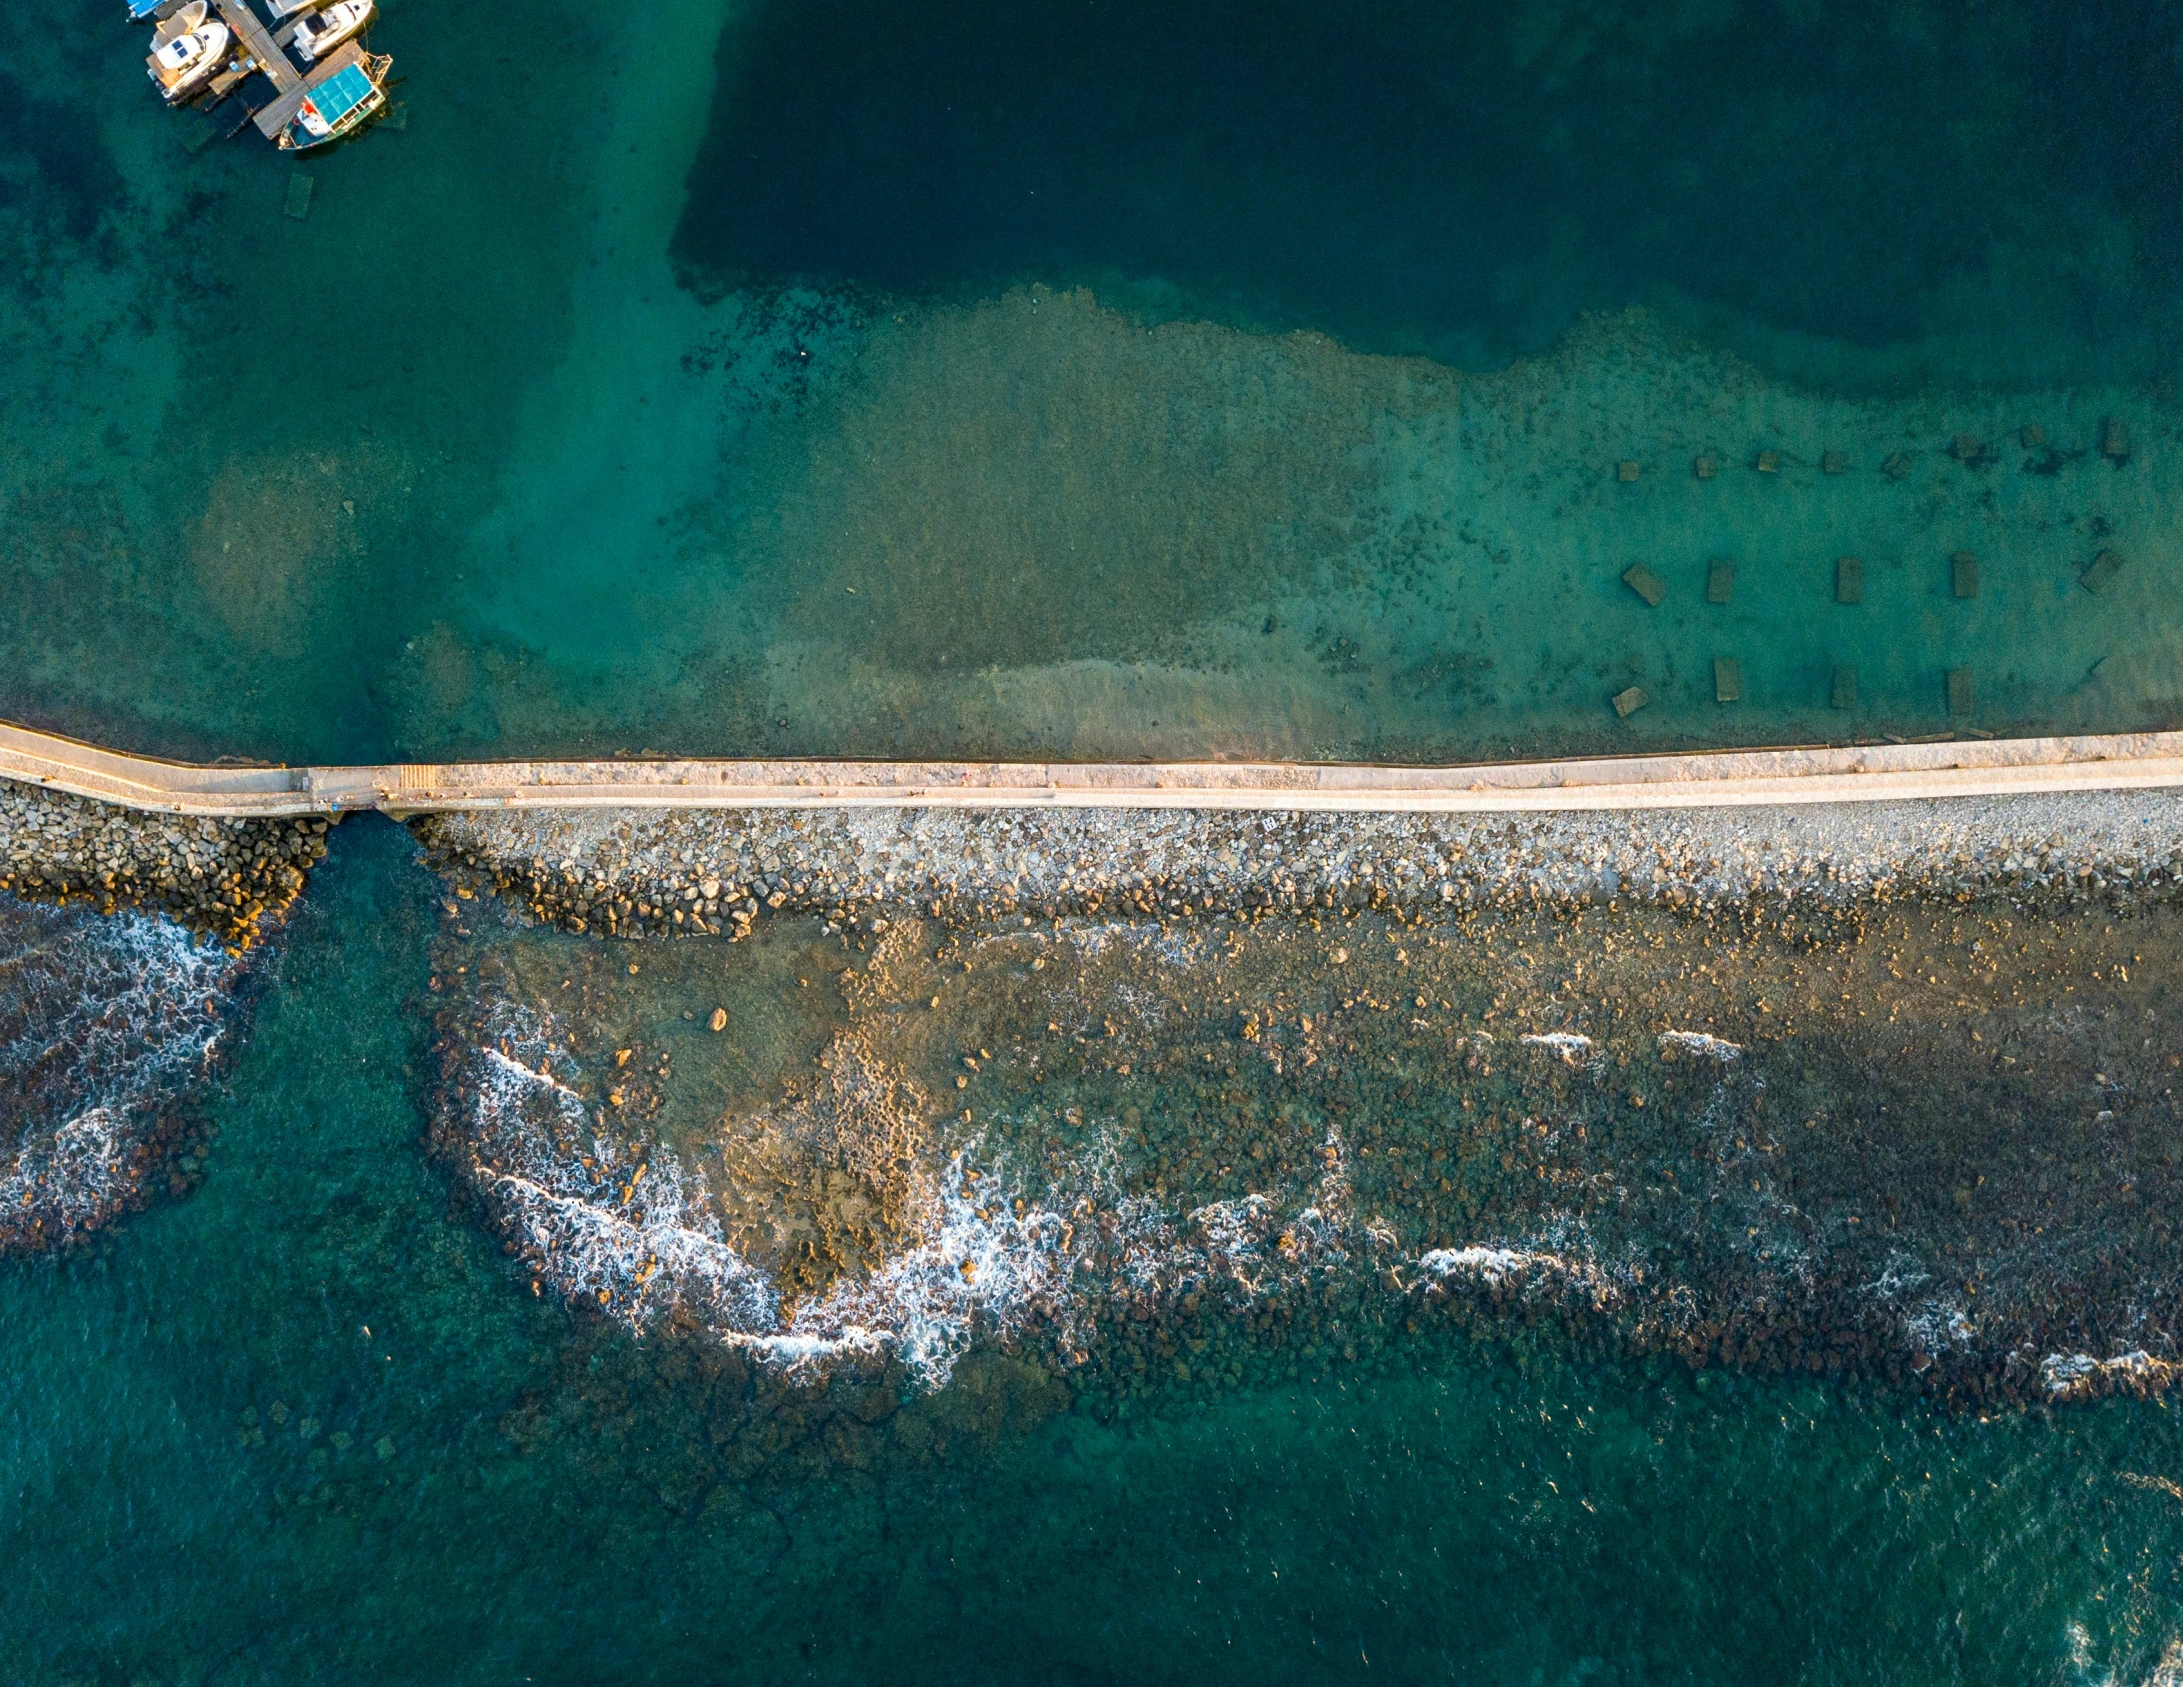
[[331, 27], [183, 61], [344, 100], [180, 22]]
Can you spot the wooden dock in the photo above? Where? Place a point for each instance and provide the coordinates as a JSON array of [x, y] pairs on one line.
[[1717, 779], [257, 41], [277, 116], [268, 53]]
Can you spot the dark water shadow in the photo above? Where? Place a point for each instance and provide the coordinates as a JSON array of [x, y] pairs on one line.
[[1454, 179]]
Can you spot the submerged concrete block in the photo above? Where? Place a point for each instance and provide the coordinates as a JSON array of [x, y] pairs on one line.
[[1645, 583]]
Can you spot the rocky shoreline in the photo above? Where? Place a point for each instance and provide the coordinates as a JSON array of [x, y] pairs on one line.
[[678, 872], [224, 877], [1856, 1091]]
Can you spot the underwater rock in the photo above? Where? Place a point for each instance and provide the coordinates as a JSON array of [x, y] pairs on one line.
[[1806, 1127]]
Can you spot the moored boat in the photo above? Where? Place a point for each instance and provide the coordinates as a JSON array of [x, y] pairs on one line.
[[331, 27], [186, 50], [180, 21], [338, 106]]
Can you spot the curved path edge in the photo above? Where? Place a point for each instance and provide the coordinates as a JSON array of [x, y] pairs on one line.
[[1703, 779]]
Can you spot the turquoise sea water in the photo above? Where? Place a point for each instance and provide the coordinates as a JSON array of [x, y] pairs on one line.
[[308, 1424], [1102, 381], [1107, 381]]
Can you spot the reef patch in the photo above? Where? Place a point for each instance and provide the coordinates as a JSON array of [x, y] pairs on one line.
[[1187, 1099]]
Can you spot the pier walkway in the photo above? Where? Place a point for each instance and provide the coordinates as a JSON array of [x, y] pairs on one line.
[[1722, 779], [257, 41]]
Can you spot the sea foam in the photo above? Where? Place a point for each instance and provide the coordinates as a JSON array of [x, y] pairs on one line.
[[105, 1025]]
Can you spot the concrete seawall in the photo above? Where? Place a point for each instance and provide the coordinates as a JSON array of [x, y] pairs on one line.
[[1719, 779]]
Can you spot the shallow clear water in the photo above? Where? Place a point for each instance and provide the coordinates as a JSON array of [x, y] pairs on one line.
[[1103, 382], [310, 1424]]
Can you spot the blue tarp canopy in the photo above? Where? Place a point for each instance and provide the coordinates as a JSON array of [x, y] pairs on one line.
[[341, 93], [141, 9]]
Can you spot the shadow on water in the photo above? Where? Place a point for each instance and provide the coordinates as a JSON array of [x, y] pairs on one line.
[[1457, 180]]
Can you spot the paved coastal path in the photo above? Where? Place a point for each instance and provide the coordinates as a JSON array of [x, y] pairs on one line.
[[2134, 761]]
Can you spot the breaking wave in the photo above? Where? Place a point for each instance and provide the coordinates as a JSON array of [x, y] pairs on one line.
[[105, 1024], [634, 1232]]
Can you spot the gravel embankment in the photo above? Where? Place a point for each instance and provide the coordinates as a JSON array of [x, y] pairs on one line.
[[221, 876], [647, 872]]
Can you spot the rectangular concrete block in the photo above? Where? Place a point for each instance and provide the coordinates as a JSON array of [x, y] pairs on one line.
[[1645, 583], [1960, 696], [1849, 580], [1963, 574], [1727, 680], [1628, 702], [1720, 580], [2100, 571], [299, 195], [1843, 694]]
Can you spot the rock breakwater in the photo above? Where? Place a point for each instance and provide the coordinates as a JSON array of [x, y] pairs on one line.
[[225, 877], [675, 872]]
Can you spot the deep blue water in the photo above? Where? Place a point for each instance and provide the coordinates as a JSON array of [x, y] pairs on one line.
[[1450, 178]]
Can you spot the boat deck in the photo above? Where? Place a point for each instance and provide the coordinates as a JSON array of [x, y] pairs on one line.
[[272, 119]]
